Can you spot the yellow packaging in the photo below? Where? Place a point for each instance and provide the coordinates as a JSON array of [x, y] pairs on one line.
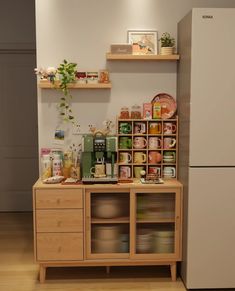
[[157, 110]]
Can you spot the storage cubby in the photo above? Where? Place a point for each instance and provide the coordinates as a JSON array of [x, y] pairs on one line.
[[149, 145]]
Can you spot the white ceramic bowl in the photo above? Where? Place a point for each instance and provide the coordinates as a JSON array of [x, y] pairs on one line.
[[107, 207], [106, 246], [106, 232]]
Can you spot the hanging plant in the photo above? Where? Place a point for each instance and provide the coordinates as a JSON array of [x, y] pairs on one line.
[[67, 74]]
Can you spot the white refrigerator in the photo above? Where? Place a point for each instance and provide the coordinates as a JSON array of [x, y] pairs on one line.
[[206, 109]]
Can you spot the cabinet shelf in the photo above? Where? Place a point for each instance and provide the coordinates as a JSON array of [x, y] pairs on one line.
[[156, 220], [130, 57], [110, 220], [48, 85]]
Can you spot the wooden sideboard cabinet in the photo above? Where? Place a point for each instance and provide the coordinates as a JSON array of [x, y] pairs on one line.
[[107, 225]]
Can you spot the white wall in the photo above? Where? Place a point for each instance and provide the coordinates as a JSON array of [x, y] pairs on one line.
[[81, 31]]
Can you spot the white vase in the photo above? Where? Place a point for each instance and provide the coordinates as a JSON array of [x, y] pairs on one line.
[[166, 51]]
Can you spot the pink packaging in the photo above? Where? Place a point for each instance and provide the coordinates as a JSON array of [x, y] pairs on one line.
[[147, 111]]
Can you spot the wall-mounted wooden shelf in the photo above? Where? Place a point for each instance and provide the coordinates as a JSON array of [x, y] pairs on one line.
[[129, 57], [48, 85]]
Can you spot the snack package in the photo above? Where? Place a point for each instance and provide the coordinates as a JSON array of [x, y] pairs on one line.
[[147, 111], [157, 110]]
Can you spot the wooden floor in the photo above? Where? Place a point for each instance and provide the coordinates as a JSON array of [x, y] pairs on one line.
[[18, 272]]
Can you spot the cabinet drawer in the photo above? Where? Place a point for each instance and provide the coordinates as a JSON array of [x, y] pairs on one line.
[[59, 246], [59, 220], [59, 198]]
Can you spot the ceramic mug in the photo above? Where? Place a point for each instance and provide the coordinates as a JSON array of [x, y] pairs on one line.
[[139, 127], [138, 171], [155, 171], [169, 157], [154, 157], [124, 128], [169, 142], [139, 157], [155, 128], [124, 157], [155, 142], [125, 172], [140, 142], [169, 172], [125, 142], [98, 170], [169, 128]]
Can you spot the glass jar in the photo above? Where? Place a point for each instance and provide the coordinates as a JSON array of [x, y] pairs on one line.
[[67, 164], [124, 113], [57, 165], [136, 112]]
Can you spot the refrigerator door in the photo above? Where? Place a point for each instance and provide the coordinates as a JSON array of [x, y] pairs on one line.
[[211, 228], [212, 108]]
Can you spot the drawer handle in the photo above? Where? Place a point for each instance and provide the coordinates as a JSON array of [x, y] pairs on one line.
[[59, 223], [58, 201], [59, 249]]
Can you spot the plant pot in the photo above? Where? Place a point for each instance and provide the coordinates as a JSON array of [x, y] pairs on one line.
[[166, 51]]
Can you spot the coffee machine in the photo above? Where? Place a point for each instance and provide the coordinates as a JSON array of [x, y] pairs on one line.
[[98, 159]]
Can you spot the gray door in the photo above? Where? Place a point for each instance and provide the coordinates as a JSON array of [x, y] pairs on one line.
[[18, 130]]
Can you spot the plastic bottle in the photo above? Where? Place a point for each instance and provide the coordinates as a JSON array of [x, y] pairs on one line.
[[46, 167]]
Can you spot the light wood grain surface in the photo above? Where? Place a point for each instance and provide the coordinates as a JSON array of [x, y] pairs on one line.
[[18, 272]]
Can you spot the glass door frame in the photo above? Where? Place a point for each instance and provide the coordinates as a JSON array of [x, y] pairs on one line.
[[177, 225], [88, 224]]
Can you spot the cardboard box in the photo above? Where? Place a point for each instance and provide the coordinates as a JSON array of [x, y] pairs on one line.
[[121, 48]]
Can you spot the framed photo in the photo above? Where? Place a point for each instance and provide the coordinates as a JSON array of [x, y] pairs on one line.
[[144, 42]]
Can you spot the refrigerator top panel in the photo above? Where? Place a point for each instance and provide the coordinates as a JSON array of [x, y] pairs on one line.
[[212, 104]]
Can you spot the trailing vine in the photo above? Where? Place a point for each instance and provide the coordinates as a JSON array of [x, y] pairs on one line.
[[67, 73]]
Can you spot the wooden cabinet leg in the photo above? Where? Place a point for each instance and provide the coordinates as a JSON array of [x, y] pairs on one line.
[[173, 271], [42, 274]]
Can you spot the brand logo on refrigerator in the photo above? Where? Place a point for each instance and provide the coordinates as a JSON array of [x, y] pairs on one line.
[[207, 16]]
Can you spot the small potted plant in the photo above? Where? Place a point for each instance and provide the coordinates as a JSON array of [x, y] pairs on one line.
[[167, 44]]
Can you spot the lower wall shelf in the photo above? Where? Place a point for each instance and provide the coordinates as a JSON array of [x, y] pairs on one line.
[[48, 85]]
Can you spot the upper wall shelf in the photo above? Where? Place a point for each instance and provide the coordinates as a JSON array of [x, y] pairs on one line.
[[48, 85], [130, 57]]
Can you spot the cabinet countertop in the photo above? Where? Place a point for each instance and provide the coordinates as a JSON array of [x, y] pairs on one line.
[[171, 183]]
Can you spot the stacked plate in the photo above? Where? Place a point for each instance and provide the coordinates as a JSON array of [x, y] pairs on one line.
[[164, 241]]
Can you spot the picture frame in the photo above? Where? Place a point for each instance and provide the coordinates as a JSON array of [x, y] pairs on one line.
[[144, 42]]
